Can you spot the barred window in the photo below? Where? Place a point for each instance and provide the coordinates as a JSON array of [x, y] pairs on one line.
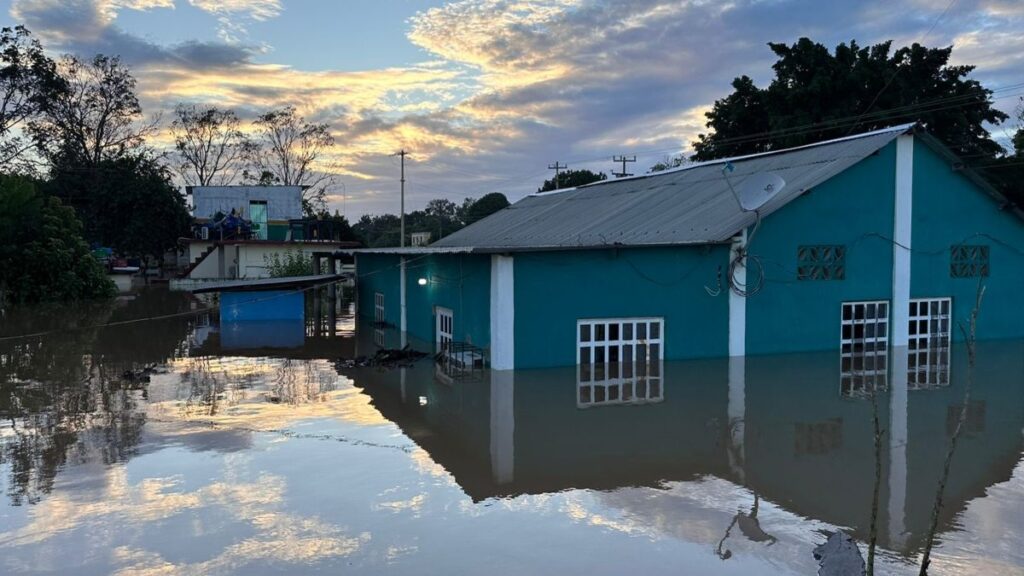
[[821, 262], [967, 261], [864, 347], [619, 361], [928, 345]]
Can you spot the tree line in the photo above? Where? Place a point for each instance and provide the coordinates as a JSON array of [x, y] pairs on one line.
[[78, 167], [818, 94], [440, 217], [73, 135]]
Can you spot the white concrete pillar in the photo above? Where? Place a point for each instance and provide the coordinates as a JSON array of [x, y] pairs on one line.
[[899, 328], [503, 312], [737, 412], [737, 303], [902, 237], [898, 425], [503, 426]]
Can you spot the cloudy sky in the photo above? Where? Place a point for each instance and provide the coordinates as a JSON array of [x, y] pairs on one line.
[[486, 93]]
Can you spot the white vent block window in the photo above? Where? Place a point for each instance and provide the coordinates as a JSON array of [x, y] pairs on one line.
[[378, 319], [619, 361], [928, 344], [864, 347]]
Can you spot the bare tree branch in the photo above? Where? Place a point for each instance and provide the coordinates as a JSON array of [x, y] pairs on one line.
[[289, 150], [210, 147], [28, 78], [96, 117]]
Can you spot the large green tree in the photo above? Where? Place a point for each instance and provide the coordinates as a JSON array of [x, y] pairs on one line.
[[817, 95], [127, 203], [42, 253], [571, 179], [487, 204]]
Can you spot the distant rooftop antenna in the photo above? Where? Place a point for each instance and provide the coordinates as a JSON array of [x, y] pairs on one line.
[[756, 190]]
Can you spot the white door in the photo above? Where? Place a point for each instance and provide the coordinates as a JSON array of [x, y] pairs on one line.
[[444, 331]]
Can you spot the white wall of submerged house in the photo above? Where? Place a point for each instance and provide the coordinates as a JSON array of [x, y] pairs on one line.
[[247, 259]]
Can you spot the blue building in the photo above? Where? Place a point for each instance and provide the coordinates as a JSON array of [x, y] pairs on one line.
[[855, 245]]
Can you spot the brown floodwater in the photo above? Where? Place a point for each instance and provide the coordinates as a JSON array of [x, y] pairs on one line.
[[183, 446]]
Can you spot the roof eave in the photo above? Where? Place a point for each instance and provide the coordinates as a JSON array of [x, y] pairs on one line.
[[958, 165]]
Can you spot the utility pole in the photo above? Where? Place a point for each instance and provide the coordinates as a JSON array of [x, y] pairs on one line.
[[622, 159], [557, 168], [402, 153]]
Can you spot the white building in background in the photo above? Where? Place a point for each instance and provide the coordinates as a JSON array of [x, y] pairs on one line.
[[239, 228], [419, 238]]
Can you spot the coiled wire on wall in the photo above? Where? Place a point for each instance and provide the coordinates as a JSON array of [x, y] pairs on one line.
[[745, 259]]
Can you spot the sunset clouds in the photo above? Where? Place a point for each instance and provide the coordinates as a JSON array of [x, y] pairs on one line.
[[501, 87]]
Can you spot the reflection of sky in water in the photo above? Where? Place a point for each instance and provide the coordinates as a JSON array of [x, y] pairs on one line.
[[231, 464]]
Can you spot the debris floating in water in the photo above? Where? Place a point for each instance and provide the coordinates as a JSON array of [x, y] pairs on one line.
[[386, 358], [839, 556]]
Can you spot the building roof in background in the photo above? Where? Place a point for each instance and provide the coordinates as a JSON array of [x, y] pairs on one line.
[[688, 205], [237, 187]]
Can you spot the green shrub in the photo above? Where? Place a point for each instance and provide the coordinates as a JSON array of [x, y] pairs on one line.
[[292, 263]]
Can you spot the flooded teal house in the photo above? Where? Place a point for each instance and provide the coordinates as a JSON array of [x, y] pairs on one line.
[[857, 245]]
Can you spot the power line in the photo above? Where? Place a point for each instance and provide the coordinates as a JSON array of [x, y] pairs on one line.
[[900, 69]]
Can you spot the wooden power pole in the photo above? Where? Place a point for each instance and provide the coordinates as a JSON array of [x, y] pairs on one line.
[[557, 168], [401, 241]]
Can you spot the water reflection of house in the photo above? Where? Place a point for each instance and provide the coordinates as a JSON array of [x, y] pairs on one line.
[[238, 228], [853, 245], [778, 425]]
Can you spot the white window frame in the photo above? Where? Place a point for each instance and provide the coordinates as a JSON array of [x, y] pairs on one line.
[[928, 344], [378, 319], [864, 346], [378, 307], [604, 377], [444, 328]]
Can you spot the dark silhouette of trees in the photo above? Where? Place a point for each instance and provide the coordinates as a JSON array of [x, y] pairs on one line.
[[127, 203], [96, 115], [42, 253], [571, 179], [487, 204], [817, 95], [210, 146], [289, 150], [28, 81]]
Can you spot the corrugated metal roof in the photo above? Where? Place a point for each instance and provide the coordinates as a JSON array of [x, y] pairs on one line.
[[689, 205], [410, 250]]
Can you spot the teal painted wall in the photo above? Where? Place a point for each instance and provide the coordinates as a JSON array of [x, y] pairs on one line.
[[790, 315], [460, 282], [854, 209], [555, 289], [378, 273], [949, 209]]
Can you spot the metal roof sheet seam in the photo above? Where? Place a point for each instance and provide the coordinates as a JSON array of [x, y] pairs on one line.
[[688, 205]]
